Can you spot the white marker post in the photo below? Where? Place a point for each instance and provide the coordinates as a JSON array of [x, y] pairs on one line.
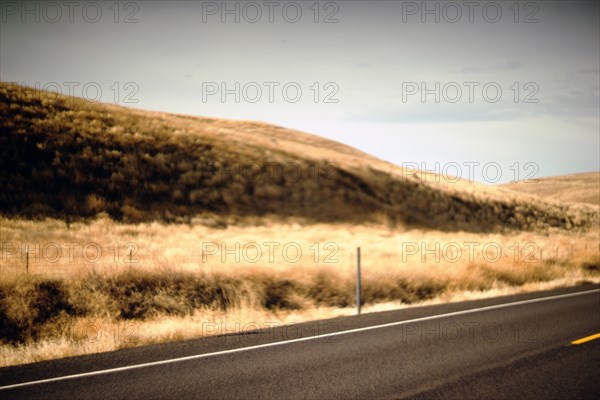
[[358, 280]]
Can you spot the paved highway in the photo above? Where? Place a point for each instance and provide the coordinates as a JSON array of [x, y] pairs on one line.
[[532, 346]]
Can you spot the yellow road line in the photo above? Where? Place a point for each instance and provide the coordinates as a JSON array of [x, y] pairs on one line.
[[586, 339]]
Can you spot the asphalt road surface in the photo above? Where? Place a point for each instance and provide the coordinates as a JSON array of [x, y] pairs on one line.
[[514, 347]]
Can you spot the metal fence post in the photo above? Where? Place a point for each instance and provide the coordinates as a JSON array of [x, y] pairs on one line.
[[358, 280], [27, 259]]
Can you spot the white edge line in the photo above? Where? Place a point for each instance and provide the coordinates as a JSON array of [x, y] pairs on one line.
[[260, 346]]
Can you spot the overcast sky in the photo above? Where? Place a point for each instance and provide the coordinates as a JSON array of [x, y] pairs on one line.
[[504, 82]]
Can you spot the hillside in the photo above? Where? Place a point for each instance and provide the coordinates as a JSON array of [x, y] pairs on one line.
[[72, 159], [578, 188]]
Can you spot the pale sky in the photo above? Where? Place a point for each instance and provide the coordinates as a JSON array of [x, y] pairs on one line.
[[372, 59]]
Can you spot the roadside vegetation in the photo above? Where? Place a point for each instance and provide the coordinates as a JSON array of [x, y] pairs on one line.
[[66, 306]]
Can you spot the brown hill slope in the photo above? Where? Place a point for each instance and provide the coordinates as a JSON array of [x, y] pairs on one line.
[[577, 188], [70, 158]]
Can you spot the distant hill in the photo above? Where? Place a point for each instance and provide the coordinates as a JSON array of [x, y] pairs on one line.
[[578, 188], [71, 158]]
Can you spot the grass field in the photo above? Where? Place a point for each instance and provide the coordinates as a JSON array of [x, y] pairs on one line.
[[188, 280], [580, 188]]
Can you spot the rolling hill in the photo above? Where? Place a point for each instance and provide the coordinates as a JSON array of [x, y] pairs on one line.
[[70, 158], [578, 188]]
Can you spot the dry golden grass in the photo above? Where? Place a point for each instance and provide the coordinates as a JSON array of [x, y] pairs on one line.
[[131, 304], [179, 247], [579, 188]]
